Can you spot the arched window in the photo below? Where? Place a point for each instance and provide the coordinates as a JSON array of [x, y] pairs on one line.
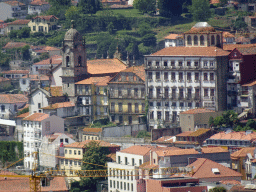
[[189, 41], [218, 40], [79, 61], [212, 40], [2, 108], [195, 40], [201, 40], [67, 61]]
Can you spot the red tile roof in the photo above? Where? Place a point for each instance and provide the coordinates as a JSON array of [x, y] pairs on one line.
[[173, 36], [23, 115], [235, 136], [164, 139], [197, 111], [36, 77], [56, 59], [138, 70], [93, 130], [14, 3], [3, 25], [196, 133], [22, 184], [55, 91], [13, 98], [103, 66], [11, 45], [243, 152], [46, 17], [16, 72], [202, 169], [98, 81], [36, 117], [86, 142], [2, 79], [138, 149], [227, 34], [201, 30], [242, 39], [247, 50], [231, 47], [191, 51], [19, 22], [214, 1], [230, 182], [60, 105], [38, 2]]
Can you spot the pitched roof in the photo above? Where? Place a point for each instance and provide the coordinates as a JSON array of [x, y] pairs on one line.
[[60, 105], [242, 39], [14, 3], [55, 91], [36, 77], [173, 36], [214, 1], [46, 17], [235, 136], [191, 151], [196, 133], [191, 51], [164, 139], [103, 66], [19, 22], [11, 45], [93, 130], [138, 70], [98, 81], [23, 115], [13, 98], [197, 111], [227, 34], [38, 2], [138, 149], [247, 50], [83, 144], [243, 152], [21, 184], [2, 79], [36, 117], [202, 27], [56, 60], [230, 182], [204, 168], [231, 47], [16, 72]]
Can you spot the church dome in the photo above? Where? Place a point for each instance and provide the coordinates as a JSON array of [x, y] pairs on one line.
[[71, 34], [201, 27]]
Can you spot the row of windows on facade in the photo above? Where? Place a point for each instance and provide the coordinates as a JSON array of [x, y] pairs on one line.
[[128, 78], [173, 104], [126, 161], [181, 94], [79, 61], [122, 174], [180, 76], [32, 134], [76, 152], [128, 92], [3, 108], [201, 40], [32, 144], [227, 142], [129, 109], [70, 162], [174, 117], [32, 124], [178, 63], [115, 185], [42, 20]]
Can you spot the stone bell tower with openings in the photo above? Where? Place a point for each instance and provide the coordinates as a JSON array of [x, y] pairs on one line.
[[74, 62]]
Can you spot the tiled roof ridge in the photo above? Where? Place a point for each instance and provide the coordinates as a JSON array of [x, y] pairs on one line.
[[204, 160]]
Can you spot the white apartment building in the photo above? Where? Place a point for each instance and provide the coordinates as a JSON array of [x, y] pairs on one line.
[[36, 126], [124, 173], [182, 78], [174, 40]]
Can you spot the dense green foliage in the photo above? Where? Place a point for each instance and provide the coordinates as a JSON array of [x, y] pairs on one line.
[[170, 8], [90, 6], [228, 119], [25, 53], [25, 110], [145, 6], [218, 189], [239, 23], [143, 134], [8, 151], [200, 9]]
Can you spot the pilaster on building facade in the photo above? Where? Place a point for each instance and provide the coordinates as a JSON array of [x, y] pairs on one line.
[[182, 78]]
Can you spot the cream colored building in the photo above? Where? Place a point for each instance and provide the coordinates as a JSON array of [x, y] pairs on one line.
[[43, 23], [16, 25]]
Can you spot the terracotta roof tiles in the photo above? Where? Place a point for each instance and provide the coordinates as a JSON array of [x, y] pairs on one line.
[[231, 47], [191, 51], [39, 2], [36, 77], [94, 130], [55, 91], [227, 34], [60, 105], [235, 136], [138, 70], [197, 111], [11, 45], [249, 84], [243, 152], [138, 149], [98, 81], [56, 59], [173, 36], [23, 115], [247, 50], [14, 3], [19, 22], [36, 117], [13, 98], [2, 79], [46, 17]]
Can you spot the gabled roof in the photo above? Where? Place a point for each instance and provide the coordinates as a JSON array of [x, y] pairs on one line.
[[230, 47], [36, 77], [138, 149], [98, 81], [86, 142], [56, 60], [92, 130], [36, 117], [204, 168], [60, 105], [13, 98], [55, 91], [191, 51], [11, 45], [235, 136], [243, 152], [227, 34], [23, 115], [103, 66], [16, 72], [46, 17], [197, 111], [138, 70], [38, 2], [19, 22], [173, 36], [14, 3]]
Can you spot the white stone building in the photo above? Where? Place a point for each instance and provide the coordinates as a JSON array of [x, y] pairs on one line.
[[36, 7], [38, 100], [51, 147], [33, 81], [181, 78], [35, 127], [174, 40], [12, 9]]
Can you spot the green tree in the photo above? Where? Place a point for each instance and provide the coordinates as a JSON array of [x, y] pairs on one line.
[[218, 121], [169, 8], [25, 53], [73, 13], [230, 118], [13, 34], [200, 9], [24, 32], [149, 40], [145, 6], [110, 28], [143, 134], [144, 29], [211, 121], [218, 189], [44, 56], [240, 24], [90, 6], [94, 158], [223, 2]]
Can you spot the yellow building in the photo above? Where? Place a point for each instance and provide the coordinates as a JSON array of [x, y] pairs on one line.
[[127, 96], [16, 25], [43, 23]]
